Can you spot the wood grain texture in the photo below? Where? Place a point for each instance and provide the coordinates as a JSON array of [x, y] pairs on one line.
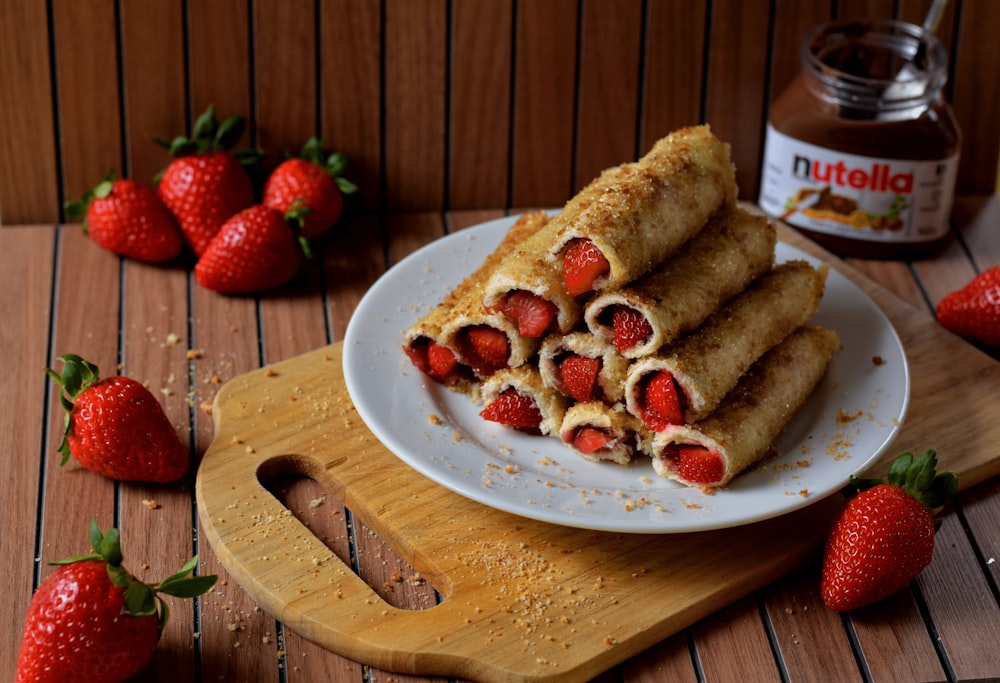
[[673, 67], [608, 116], [25, 258], [416, 81], [155, 89], [29, 190], [544, 102], [87, 94], [285, 77], [480, 103], [737, 66]]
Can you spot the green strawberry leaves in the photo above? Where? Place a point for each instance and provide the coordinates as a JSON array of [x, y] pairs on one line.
[[76, 377], [211, 136], [334, 164], [918, 476], [77, 210], [141, 599]]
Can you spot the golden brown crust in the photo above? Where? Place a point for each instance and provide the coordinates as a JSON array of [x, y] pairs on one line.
[[747, 423], [708, 363], [526, 380], [638, 214], [462, 306], [718, 263], [613, 420], [614, 366]]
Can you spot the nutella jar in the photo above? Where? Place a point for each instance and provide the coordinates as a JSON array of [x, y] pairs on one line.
[[862, 151]]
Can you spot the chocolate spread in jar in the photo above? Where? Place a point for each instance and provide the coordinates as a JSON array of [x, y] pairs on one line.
[[862, 151]]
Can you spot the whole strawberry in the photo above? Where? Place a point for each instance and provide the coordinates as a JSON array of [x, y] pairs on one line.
[[884, 537], [92, 621], [974, 310], [256, 249], [128, 218], [205, 183], [115, 426], [316, 180]]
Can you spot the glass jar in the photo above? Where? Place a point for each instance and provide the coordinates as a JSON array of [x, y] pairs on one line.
[[862, 151]]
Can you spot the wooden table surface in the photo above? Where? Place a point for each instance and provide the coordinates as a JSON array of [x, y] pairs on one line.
[[153, 323]]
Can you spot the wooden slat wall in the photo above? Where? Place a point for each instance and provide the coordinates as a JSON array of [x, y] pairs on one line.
[[441, 104]]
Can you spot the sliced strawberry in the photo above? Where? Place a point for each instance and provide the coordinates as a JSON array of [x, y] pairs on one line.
[[533, 314], [583, 263], [514, 409], [696, 464], [417, 353], [630, 328], [441, 361], [590, 440], [662, 403], [486, 348], [578, 375]]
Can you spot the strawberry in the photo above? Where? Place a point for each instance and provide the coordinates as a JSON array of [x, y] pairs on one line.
[[316, 180], [441, 362], [486, 349], [514, 409], [115, 426], [533, 314], [583, 263], [974, 310], [91, 620], [696, 464], [662, 402], [884, 537], [578, 376], [590, 440], [205, 183], [630, 328], [254, 250], [128, 218]]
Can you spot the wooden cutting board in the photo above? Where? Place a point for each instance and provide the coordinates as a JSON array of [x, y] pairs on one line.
[[523, 600]]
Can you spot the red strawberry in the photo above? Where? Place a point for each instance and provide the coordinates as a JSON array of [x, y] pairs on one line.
[[514, 409], [662, 402], [533, 314], [486, 349], [116, 427], [91, 620], [255, 250], [578, 375], [630, 328], [441, 362], [583, 263], [696, 464], [590, 440], [315, 180], [205, 183], [884, 536], [974, 310], [128, 218]]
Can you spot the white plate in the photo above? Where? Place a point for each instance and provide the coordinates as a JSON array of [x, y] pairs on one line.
[[848, 422]]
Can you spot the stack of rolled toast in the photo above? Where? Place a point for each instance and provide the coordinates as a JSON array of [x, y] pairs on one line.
[[646, 319]]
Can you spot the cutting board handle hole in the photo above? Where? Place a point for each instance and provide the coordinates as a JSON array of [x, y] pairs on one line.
[[323, 513]]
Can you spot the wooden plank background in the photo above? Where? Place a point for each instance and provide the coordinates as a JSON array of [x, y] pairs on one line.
[[440, 104]]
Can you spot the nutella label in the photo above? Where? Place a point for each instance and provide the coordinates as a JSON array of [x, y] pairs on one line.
[[853, 196]]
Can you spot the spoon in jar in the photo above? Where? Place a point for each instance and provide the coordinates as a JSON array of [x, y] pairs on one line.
[[909, 81]]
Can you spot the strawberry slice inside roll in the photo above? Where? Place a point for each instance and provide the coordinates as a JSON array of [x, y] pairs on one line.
[[486, 349], [661, 402], [583, 264], [436, 361], [578, 376], [533, 315], [695, 464], [629, 327], [514, 409]]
